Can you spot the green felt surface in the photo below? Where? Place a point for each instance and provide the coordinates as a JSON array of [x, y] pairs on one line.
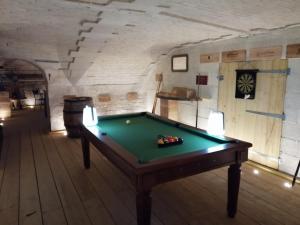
[[140, 137]]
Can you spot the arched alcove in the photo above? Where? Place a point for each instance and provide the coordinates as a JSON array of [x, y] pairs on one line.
[[25, 84]]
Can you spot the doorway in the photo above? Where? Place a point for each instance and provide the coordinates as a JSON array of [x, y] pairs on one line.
[[23, 87]]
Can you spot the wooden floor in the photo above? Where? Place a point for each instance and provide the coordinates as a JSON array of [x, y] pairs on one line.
[[42, 182]]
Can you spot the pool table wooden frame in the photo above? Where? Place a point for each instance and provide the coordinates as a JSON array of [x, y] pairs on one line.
[[147, 175]]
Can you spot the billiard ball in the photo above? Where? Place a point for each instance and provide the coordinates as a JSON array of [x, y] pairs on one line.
[[127, 121], [160, 141]]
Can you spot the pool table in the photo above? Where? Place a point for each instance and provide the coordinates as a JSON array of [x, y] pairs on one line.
[[129, 142]]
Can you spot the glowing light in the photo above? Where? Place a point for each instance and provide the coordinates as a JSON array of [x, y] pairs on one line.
[[2, 124], [65, 133], [95, 130], [216, 123], [287, 185], [3, 118], [256, 172], [31, 106], [5, 109], [89, 117]]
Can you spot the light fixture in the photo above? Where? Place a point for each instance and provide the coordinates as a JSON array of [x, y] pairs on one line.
[[89, 116], [215, 123], [1, 124], [287, 185], [31, 106], [3, 118], [65, 133], [256, 172]]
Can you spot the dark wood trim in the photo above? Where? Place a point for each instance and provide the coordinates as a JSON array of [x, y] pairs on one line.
[[234, 176], [85, 151], [143, 207]]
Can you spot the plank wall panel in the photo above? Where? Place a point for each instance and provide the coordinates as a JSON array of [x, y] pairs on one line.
[[269, 53], [210, 58], [173, 110], [293, 51], [169, 109], [234, 56], [164, 111]]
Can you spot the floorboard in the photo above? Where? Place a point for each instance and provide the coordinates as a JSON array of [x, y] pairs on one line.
[[52, 209], [74, 210], [43, 182], [10, 189], [93, 205], [30, 208]]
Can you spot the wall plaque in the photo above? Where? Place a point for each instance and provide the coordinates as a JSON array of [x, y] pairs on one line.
[[234, 56]]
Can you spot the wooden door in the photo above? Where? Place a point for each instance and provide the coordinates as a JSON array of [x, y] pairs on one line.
[[262, 130]]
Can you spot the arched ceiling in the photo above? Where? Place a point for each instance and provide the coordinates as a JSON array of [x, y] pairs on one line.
[[117, 41], [17, 70]]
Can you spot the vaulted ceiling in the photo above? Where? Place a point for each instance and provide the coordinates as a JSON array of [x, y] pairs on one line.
[[21, 71], [118, 41]]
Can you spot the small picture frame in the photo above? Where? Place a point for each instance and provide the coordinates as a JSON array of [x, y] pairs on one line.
[[180, 63]]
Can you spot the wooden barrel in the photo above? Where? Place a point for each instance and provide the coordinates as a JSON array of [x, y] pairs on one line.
[[73, 110]]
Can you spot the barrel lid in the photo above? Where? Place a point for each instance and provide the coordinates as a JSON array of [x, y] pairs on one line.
[[78, 99]]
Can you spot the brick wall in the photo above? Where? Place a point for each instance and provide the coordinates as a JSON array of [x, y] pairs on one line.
[[58, 86], [290, 142]]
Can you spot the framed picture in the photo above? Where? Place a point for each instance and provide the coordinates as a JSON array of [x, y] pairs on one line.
[[180, 63]]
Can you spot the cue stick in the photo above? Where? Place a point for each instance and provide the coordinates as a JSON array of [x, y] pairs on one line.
[[197, 106], [295, 176], [159, 78]]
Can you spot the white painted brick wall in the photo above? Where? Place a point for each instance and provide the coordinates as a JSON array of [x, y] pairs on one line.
[[288, 163], [291, 130], [290, 147], [290, 142], [187, 110], [58, 86], [111, 75]]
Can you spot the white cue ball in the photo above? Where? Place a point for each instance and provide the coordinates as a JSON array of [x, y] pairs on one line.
[[127, 121]]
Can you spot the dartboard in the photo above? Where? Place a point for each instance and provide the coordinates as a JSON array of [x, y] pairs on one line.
[[245, 83]]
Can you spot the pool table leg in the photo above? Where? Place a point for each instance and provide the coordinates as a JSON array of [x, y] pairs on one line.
[[86, 151], [143, 207], [234, 175]]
